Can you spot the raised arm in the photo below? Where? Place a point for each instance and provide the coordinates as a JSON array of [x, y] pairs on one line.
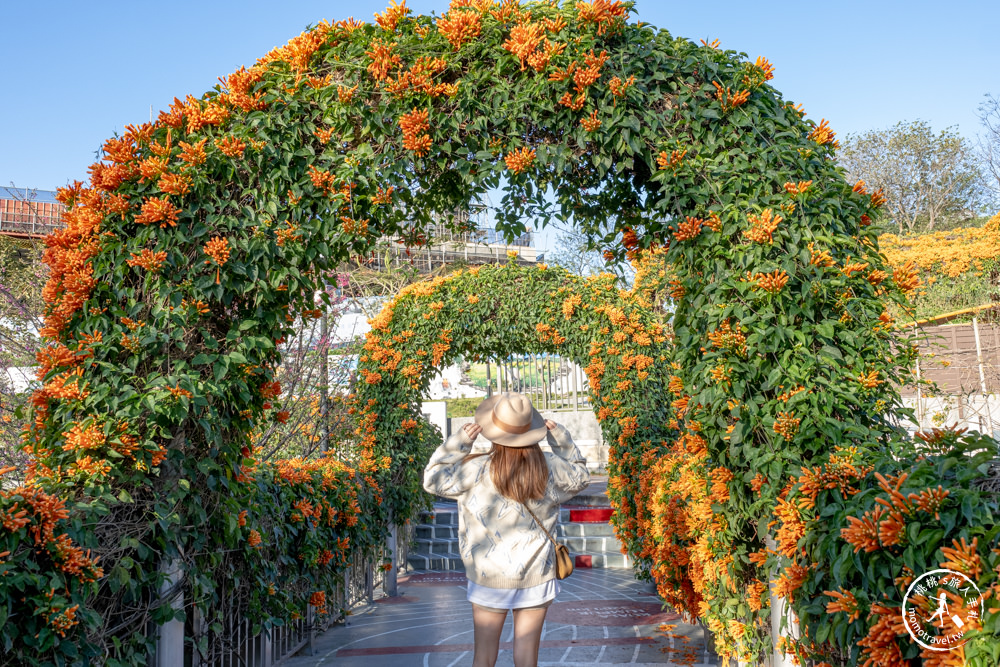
[[568, 466], [445, 474]]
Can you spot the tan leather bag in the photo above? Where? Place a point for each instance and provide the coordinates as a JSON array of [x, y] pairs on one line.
[[564, 562]]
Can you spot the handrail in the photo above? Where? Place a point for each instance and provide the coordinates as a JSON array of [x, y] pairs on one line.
[[949, 316]]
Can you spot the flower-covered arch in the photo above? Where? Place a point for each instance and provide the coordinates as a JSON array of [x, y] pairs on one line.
[[202, 236], [493, 311]]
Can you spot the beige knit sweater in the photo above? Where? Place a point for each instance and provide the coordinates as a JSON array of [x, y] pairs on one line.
[[500, 544]]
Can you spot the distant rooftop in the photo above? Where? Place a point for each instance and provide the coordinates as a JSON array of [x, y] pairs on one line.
[[27, 194]]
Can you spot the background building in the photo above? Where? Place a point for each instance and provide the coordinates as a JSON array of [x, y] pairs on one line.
[[29, 214]]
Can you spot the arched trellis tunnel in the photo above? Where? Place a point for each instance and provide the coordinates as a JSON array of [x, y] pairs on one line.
[[494, 311], [201, 236]]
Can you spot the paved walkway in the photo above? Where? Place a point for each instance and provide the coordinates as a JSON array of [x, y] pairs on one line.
[[601, 618]]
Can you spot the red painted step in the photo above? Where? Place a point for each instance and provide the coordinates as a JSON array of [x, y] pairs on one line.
[[591, 515]]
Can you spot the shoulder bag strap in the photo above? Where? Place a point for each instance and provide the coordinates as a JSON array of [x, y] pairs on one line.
[[540, 525]]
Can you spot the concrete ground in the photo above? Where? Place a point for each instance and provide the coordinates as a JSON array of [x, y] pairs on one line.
[[601, 618]]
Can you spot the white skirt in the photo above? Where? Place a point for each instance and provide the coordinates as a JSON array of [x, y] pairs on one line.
[[513, 598]]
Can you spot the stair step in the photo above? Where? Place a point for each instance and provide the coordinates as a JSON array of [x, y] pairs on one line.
[[436, 547], [440, 532], [449, 562], [599, 560], [440, 517], [585, 530], [591, 544], [585, 514]]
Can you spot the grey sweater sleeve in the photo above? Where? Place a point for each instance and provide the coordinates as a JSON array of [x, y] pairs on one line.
[[567, 467], [445, 474]]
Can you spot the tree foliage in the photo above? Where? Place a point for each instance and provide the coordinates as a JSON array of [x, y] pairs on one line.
[[989, 139], [927, 179]]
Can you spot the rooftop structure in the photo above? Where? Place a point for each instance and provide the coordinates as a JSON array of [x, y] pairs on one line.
[[29, 214]]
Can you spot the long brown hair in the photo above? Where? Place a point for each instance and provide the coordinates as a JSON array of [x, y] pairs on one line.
[[519, 473]]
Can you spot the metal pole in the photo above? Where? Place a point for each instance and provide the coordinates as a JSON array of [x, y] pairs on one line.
[[982, 374], [391, 585], [576, 387], [920, 402], [779, 609], [324, 380]]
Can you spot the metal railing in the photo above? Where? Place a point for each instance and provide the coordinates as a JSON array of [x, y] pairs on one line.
[[551, 382], [231, 641]]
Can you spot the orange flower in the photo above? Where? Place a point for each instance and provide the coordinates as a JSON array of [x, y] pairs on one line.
[[870, 380], [762, 226], [193, 153], [218, 250], [786, 424], [390, 18], [930, 500], [574, 102], [688, 229], [254, 540], [772, 282], [174, 184], [459, 26], [151, 167], [524, 39], [383, 196], [766, 67], [963, 557], [383, 58], [158, 210], [878, 198], [591, 123], [618, 87], [178, 392], [345, 94], [822, 134], [863, 533], [554, 25], [728, 99], [672, 160], [147, 259], [797, 188], [80, 438], [413, 124], [231, 146], [585, 76], [607, 15], [843, 601], [519, 160], [819, 258]]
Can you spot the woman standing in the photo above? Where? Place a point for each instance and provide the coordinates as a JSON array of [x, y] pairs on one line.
[[509, 560]]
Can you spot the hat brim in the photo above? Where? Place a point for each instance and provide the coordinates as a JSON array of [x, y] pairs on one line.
[[493, 433]]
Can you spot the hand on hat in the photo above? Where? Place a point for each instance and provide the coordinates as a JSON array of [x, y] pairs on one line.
[[472, 430], [549, 424]]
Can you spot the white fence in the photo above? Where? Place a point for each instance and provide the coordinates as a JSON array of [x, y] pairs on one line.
[[552, 383], [191, 642]]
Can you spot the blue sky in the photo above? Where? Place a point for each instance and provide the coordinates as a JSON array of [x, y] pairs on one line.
[[76, 72]]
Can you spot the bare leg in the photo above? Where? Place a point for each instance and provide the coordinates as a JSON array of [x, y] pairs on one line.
[[527, 635], [487, 625]]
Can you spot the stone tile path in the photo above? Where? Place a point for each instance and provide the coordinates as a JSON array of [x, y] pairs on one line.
[[601, 618]]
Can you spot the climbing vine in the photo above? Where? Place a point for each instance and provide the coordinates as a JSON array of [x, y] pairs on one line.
[[201, 237], [498, 310]]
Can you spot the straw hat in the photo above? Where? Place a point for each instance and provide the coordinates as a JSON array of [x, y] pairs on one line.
[[510, 420]]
